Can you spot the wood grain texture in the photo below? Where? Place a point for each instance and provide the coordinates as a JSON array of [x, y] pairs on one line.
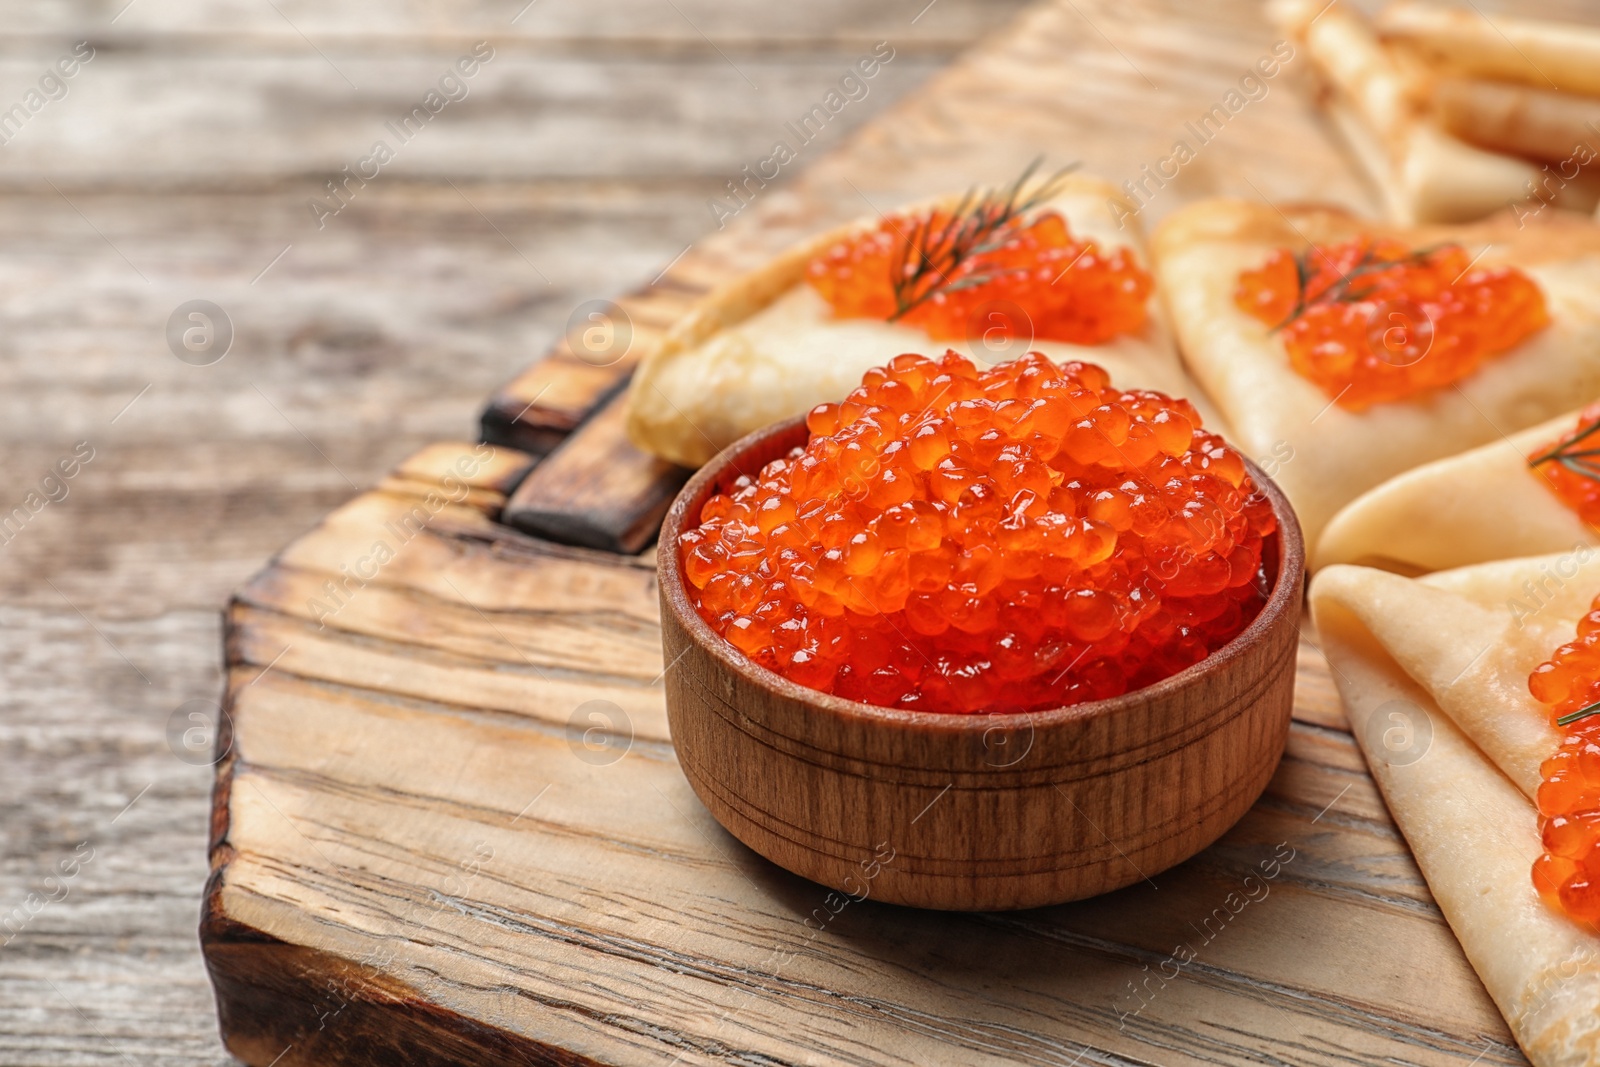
[[606, 495], [975, 813], [382, 333], [538, 409], [367, 340], [556, 894], [429, 836]]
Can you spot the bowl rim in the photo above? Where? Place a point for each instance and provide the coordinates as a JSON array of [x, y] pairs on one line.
[[1287, 590]]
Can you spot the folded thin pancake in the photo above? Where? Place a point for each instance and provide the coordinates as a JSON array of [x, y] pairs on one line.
[[1520, 118], [766, 346], [1396, 646], [1546, 55], [1469, 637], [1337, 454], [1378, 101], [1483, 504]]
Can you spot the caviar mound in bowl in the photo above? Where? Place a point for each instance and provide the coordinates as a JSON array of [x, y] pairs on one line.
[[980, 638]]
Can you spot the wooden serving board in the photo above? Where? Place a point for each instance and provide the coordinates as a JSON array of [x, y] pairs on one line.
[[449, 827]]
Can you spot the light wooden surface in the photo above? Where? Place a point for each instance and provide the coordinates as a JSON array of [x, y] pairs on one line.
[[192, 160], [1032, 809], [552, 892], [190, 145], [434, 837]]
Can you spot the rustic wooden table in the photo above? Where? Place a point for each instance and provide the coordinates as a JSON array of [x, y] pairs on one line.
[[178, 166]]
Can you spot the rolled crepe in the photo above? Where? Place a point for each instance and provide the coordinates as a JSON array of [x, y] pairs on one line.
[[766, 346], [1321, 454], [1424, 173], [1558, 127], [1460, 793], [1483, 504], [1548, 55]]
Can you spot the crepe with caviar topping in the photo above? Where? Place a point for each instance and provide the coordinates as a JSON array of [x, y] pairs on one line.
[[1483, 504], [1433, 673], [1325, 455], [767, 346]]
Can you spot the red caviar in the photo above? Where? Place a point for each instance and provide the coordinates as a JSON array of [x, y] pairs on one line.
[[1067, 289], [1370, 321], [1571, 466], [1567, 875], [1009, 539]]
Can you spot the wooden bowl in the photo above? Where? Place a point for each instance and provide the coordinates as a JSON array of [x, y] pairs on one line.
[[974, 812]]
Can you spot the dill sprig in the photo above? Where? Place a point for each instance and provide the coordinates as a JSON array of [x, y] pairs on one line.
[[1578, 460], [1344, 290], [1581, 713], [929, 256]]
